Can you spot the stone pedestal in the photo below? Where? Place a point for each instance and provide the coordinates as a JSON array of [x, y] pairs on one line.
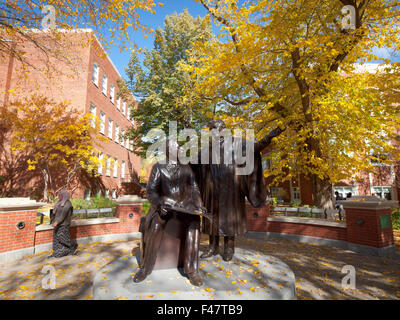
[[17, 227], [248, 276], [369, 225]]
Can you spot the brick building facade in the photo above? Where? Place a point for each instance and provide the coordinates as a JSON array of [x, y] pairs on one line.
[[88, 81]]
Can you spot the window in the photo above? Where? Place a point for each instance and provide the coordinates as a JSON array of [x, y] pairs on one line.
[[126, 143], [100, 167], [344, 191], [119, 103], [127, 112], [131, 145], [277, 193], [117, 133], [296, 193], [102, 122], [115, 170], [108, 166], [122, 137], [112, 89], [104, 84], [95, 74], [93, 113], [110, 127], [114, 194], [382, 192], [123, 107], [107, 193], [123, 170], [86, 195]]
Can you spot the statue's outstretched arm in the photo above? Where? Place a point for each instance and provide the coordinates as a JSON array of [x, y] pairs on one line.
[[266, 141]]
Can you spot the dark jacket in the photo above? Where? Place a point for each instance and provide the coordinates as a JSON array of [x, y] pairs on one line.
[[62, 215]]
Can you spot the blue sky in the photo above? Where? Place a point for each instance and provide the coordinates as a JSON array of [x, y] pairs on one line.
[[120, 59]]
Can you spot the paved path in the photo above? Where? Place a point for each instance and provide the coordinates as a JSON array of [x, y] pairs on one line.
[[317, 270]]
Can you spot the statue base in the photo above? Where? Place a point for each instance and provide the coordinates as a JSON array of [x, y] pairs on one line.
[[251, 276]]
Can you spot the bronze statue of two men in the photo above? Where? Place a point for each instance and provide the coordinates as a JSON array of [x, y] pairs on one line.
[[214, 189]]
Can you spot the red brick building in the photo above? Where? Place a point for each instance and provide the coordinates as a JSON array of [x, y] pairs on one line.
[[88, 80]]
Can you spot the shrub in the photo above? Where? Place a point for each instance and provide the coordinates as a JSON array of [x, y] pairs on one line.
[[94, 203], [396, 218]]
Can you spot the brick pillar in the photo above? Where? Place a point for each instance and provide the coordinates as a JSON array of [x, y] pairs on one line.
[[129, 212], [369, 225], [257, 217], [17, 227]]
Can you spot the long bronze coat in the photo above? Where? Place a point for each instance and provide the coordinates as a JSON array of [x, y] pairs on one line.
[[224, 193]]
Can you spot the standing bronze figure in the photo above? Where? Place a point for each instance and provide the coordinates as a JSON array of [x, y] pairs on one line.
[[224, 193], [171, 185]]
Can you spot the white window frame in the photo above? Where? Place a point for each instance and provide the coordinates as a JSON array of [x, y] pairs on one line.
[[119, 103], [123, 107], [127, 112], [122, 137], [114, 194], [110, 128], [296, 191], [344, 190], [104, 84], [382, 189], [126, 143], [115, 168], [277, 192], [95, 74], [100, 167], [108, 166], [102, 122], [112, 93], [93, 112], [123, 169], [116, 133]]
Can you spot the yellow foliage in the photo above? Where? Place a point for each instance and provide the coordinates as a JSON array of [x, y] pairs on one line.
[[289, 64]]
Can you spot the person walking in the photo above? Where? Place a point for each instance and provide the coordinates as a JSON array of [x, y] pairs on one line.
[[60, 219]]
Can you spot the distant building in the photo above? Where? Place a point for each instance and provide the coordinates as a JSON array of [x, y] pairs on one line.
[[90, 84]]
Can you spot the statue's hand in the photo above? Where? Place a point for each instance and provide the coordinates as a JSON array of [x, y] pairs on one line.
[[163, 211]]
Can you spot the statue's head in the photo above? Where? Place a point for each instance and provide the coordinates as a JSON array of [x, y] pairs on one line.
[[216, 124]]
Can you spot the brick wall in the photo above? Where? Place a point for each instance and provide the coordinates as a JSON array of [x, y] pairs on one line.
[[320, 231], [12, 238], [126, 224], [363, 227]]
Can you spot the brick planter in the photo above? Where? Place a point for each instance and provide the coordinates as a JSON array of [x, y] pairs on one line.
[[369, 225]]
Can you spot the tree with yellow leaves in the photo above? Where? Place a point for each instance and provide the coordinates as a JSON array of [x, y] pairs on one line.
[[60, 141], [295, 64]]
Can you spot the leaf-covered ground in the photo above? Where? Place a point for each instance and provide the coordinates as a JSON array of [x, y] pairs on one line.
[[317, 270]]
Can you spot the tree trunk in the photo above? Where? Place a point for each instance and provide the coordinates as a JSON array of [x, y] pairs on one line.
[[322, 192], [46, 185]]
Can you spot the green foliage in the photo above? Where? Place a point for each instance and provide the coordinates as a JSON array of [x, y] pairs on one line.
[[296, 203], [145, 207], [161, 85], [396, 218], [94, 203]]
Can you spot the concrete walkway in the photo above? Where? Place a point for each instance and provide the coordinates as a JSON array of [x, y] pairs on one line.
[[317, 270]]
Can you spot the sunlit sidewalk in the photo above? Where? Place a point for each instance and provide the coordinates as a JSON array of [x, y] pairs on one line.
[[318, 270]]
